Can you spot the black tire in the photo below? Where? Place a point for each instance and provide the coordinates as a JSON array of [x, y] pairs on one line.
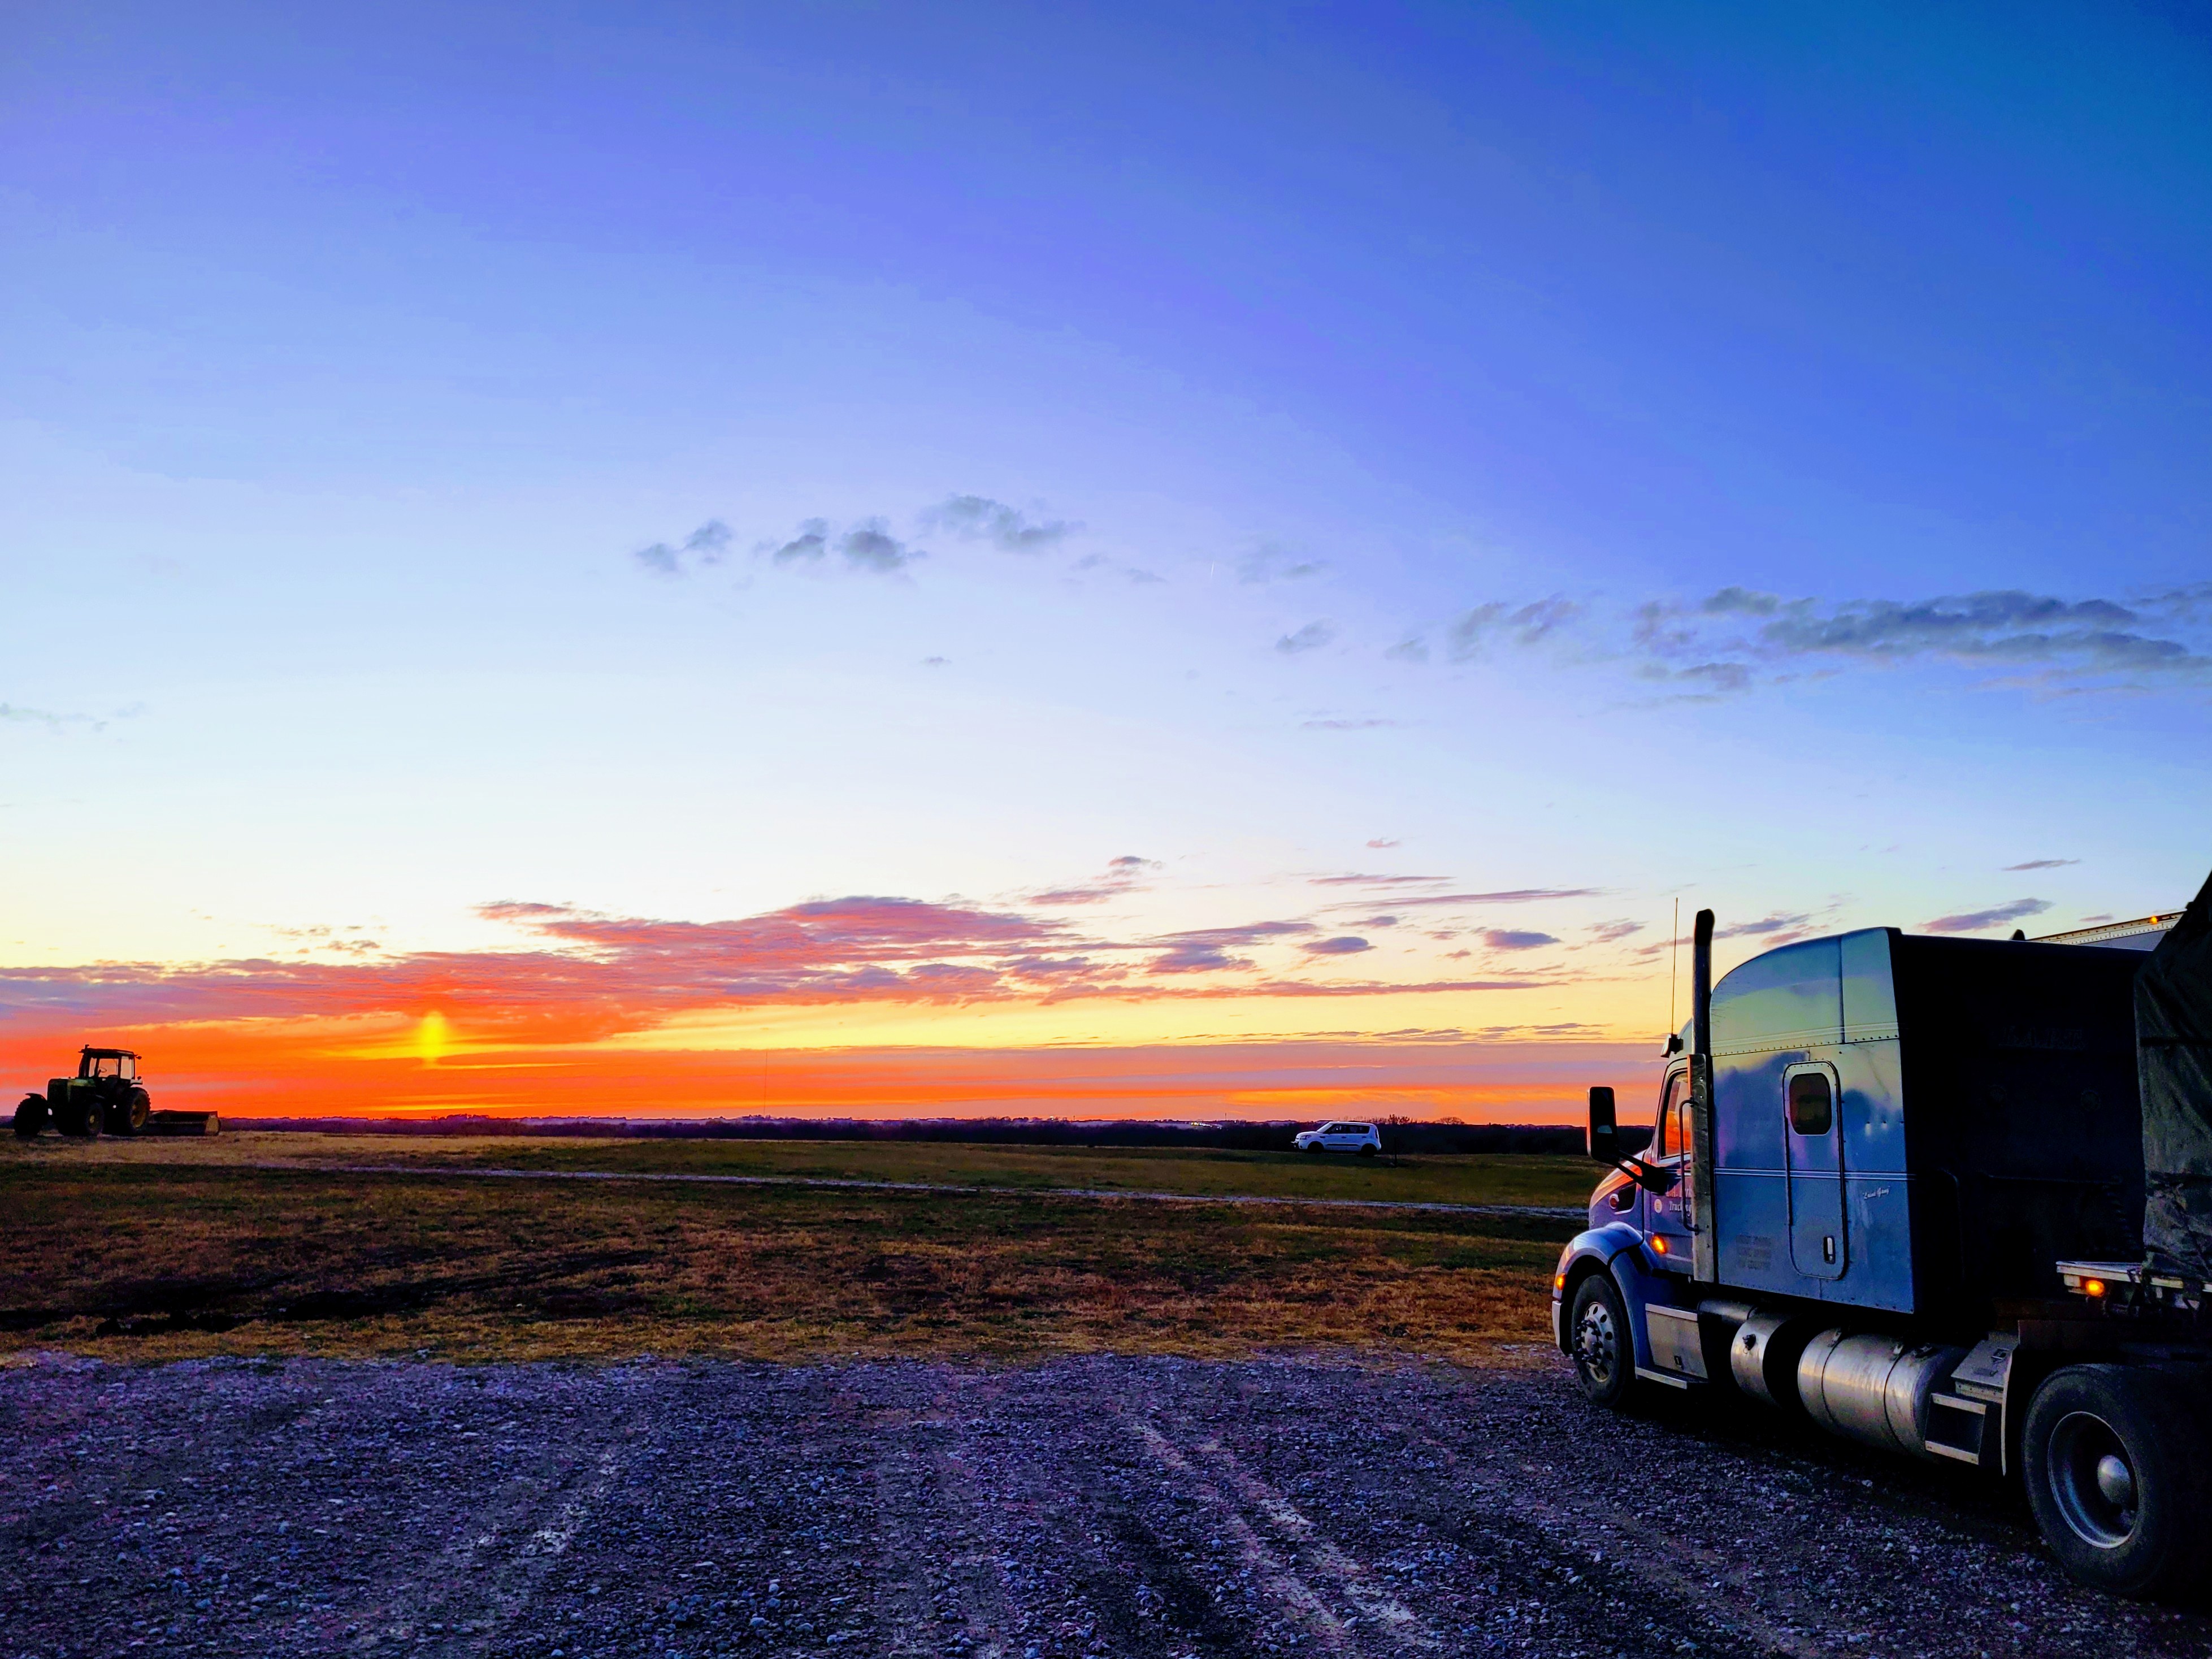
[[1600, 1342], [2116, 1469], [79, 1119], [1314, 1149], [1367, 1152], [30, 1117], [128, 1116]]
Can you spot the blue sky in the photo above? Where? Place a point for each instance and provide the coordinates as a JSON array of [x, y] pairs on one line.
[[1605, 452]]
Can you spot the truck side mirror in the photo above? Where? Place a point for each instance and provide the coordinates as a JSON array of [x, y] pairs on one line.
[[1604, 1135]]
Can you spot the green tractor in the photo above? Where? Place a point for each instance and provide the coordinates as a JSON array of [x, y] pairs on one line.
[[106, 1093]]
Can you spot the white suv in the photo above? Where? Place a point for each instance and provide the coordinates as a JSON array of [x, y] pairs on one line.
[[1360, 1138]]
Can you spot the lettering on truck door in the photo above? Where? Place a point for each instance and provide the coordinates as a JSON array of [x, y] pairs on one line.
[[1814, 1134]]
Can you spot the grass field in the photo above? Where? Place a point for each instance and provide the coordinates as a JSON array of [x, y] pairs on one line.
[[1195, 1171], [162, 1250]]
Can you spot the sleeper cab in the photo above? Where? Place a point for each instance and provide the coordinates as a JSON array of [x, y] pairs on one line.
[[1924, 1126]]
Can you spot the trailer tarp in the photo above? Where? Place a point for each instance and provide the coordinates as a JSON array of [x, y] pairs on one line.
[[2173, 1064]]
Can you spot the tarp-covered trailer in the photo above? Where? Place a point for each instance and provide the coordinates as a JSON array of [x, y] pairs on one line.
[[1948, 1197]]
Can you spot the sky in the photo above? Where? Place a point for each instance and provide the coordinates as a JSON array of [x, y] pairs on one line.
[[1163, 560]]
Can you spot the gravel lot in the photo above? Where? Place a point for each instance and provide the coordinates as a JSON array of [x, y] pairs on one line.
[[1082, 1507]]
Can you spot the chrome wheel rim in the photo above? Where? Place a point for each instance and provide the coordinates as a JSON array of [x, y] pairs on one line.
[[2092, 1480], [1597, 1345]]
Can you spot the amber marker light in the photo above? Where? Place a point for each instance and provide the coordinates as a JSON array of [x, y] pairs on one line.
[[1658, 1247], [1558, 1281], [2092, 1287]]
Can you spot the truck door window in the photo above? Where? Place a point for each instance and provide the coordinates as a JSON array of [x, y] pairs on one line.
[[1671, 1135], [1812, 1107]]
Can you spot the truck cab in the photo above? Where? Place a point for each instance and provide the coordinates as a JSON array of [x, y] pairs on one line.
[[1882, 1169]]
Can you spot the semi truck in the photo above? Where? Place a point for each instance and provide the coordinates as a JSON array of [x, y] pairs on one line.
[[1949, 1198]]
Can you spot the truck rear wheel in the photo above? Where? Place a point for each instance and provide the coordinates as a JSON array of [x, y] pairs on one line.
[[30, 1117], [1599, 1340], [2115, 1470]]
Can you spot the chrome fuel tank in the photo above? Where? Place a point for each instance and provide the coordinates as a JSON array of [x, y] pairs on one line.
[[1873, 1389]]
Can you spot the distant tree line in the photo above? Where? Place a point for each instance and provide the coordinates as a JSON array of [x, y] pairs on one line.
[[1399, 1135]]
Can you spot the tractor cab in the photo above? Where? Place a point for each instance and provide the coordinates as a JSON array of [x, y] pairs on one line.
[[108, 1062]]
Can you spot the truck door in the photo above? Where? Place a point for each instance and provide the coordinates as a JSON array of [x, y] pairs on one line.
[[1813, 1132], [1670, 1211]]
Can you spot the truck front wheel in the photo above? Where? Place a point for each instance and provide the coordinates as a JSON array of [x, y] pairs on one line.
[[1598, 1342], [30, 1117], [2115, 1471]]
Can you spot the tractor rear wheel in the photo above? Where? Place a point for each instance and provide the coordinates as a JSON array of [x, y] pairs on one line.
[[128, 1115], [30, 1117]]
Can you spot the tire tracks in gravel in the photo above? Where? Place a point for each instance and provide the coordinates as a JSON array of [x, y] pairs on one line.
[[1037, 1547], [490, 1577], [1681, 1575], [937, 1580], [1523, 1566], [1281, 1547]]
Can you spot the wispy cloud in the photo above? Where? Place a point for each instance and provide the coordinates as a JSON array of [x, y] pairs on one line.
[[1507, 938], [807, 547], [1775, 927], [978, 518], [704, 546], [868, 547], [1737, 638], [1311, 637], [1605, 932], [1357, 880], [1208, 950], [1721, 643], [872, 547], [2040, 863], [1473, 633], [1510, 896], [1120, 877], [1272, 564], [1344, 944], [1973, 922]]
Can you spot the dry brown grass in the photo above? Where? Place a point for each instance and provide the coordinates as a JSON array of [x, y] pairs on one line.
[[1197, 1171], [130, 1261]]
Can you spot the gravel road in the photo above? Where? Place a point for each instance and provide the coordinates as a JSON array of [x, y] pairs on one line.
[[1091, 1506]]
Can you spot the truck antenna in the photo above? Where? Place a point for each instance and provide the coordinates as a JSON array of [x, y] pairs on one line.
[[1674, 967]]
